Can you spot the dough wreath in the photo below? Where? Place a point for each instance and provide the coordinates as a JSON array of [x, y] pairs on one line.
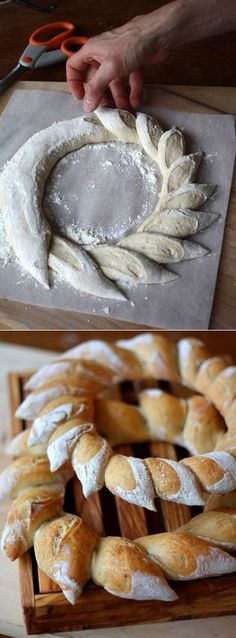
[[65, 404], [137, 257]]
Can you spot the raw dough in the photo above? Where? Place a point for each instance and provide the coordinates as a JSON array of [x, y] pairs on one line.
[[22, 184]]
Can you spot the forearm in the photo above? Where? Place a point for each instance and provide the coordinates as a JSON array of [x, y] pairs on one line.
[[182, 21]]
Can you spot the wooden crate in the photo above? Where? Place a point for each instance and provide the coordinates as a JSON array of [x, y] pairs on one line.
[[44, 607]]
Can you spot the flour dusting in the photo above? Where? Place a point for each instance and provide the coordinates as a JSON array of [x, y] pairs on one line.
[[101, 192]]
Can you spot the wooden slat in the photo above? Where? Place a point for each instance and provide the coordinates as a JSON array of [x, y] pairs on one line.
[[27, 589], [132, 519], [45, 583], [174, 514], [15, 398], [91, 513]]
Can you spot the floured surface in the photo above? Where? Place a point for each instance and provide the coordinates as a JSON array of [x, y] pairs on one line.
[[176, 304], [120, 183]]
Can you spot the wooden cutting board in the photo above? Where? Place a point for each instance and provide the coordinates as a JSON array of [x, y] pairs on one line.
[[14, 315]]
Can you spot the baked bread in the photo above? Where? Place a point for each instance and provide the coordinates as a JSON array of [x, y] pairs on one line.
[[83, 433]]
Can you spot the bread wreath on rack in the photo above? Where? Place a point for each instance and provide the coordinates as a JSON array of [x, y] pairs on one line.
[[75, 425]]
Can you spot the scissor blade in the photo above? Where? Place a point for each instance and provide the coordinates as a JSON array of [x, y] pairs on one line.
[[11, 77]]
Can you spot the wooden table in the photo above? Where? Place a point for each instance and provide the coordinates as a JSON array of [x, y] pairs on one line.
[[210, 62], [14, 315], [15, 358]]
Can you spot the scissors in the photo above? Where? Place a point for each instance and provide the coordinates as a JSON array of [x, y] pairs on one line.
[[50, 44]]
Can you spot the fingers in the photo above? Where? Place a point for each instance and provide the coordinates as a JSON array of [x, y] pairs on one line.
[[109, 71], [75, 76], [119, 94], [136, 88]]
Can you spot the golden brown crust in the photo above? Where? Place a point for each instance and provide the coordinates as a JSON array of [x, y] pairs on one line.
[[33, 507], [125, 558], [209, 371], [119, 472], [222, 390], [221, 501], [191, 354], [165, 479], [87, 447], [165, 415], [206, 469], [218, 527], [119, 422], [203, 426], [181, 556], [63, 549]]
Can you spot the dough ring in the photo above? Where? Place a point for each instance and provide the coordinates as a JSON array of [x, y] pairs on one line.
[[137, 257]]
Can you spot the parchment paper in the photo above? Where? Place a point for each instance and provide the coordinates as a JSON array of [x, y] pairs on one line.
[[91, 180]]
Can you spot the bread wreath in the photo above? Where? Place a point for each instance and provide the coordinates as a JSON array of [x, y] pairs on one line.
[[77, 378], [137, 257]]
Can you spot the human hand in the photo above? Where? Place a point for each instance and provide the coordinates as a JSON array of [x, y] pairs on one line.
[[110, 60]]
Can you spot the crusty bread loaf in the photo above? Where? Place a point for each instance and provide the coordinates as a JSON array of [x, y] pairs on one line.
[[63, 549], [218, 527], [186, 557], [29, 471], [30, 509], [19, 446]]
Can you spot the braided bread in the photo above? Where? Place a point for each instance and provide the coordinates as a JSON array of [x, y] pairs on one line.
[[64, 423], [71, 415]]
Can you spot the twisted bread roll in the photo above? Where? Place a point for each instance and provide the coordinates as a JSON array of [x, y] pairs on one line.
[[71, 553], [193, 423], [182, 482]]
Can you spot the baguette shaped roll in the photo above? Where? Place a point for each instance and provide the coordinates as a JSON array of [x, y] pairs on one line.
[[19, 446], [208, 371], [223, 390], [129, 478], [92, 378], [63, 549], [33, 507], [185, 557], [59, 411], [217, 527], [173, 483], [64, 369], [123, 364], [38, 399], [191, 354], [221, 501], [63, 441], [216, 471], [89, 460], [125, 570], [203, 426], [29, 471], [120, 422], [165, 415], [157, 355]]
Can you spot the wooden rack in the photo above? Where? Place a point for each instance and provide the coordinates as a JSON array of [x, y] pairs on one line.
[[44, 607]]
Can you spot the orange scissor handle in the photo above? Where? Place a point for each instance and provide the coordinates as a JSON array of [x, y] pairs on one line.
[[62, 31], [71, 45]]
